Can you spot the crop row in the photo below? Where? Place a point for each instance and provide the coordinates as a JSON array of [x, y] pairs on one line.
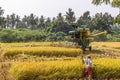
[[36, 44], [73, 69], [28, 44], [42, 51]]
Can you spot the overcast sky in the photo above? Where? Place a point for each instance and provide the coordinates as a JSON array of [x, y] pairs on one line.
[[51, 8]]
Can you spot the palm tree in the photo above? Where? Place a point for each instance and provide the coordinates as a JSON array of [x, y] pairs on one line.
[[98, 2], [2, 19], [70, 16], [114, 3], [11, 21], [1, 11], [47, 22], [84, 19], [31, 21], [60, 19], [41, 22]]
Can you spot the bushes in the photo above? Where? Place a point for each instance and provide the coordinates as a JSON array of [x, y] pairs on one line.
[[25, 35], [105, 69], [59, 36], [99, 38], [21, 35], [115, 36], [111, 37]]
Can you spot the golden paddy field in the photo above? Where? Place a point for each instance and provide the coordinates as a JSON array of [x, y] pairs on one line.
[[56, 61]]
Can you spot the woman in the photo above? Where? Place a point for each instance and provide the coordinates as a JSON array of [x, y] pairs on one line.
[[88, 67]]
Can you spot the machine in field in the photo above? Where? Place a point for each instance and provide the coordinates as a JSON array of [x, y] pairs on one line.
[[82, 36]]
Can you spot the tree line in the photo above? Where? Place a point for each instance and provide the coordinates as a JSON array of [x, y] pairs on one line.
[[13, 28]]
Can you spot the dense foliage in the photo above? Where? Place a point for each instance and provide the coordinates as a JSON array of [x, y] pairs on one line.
[[114, 3], [25, 35], [13, 28]]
